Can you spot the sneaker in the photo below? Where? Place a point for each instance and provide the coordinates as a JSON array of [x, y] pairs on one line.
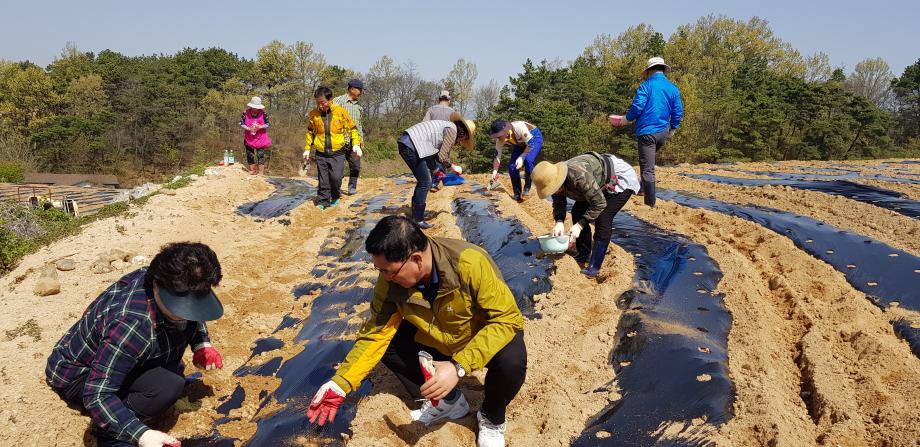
[[490, 435], [527, 191], [517, 198], [321, 207], [430, 414], [352, 190], [334, 202]]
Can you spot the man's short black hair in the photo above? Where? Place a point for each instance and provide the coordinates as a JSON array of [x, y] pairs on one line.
[[324, 92], [184, 267], [395, 237]]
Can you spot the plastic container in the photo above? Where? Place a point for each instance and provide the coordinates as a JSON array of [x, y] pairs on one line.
[[554, 244], [617, 120]]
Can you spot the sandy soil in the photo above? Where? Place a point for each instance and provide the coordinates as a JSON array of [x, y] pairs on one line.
[[812, 361]]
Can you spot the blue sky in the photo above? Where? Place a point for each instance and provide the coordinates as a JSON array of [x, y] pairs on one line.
[[497, 35]]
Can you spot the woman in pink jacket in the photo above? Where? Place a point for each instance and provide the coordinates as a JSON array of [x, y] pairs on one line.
[[254, 123]]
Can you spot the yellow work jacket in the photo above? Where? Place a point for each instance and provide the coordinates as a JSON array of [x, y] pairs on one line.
[[339, 123], [472, 318]]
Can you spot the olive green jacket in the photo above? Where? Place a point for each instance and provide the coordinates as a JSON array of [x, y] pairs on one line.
[[472, 318]]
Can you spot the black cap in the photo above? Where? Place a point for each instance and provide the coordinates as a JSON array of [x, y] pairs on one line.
[[192, 306], [356, 83], [497, 126]]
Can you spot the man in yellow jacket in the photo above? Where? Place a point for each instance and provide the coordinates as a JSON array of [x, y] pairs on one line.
[[445, 297], [326, 127]]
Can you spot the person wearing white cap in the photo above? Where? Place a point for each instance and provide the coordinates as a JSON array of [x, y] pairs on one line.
[[657, 111], [442, 112], [254, 122]]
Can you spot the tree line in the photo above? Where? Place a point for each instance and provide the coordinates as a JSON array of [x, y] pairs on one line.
[[748, 95]]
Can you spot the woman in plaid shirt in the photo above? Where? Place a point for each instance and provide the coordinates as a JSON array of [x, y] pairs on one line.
[[122, 361]]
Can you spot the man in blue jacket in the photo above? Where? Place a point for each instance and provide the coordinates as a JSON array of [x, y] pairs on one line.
[[657, 111]]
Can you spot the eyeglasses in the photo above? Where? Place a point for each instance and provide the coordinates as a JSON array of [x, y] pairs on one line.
[[386, 273]]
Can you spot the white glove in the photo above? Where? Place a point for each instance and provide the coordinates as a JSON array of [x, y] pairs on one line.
[[153, 438], [559, 229], [519, 163], [494, 175], [306, 155], [575, 231], [357, 151], [457, 169]]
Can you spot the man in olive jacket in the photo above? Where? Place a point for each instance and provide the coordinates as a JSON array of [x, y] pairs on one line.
[[445, 297]]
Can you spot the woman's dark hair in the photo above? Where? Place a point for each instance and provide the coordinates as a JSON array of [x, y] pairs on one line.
[[395, 237], [324, 92], [184, 267]]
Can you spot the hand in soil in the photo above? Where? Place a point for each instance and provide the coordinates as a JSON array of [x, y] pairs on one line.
[[325, 403]]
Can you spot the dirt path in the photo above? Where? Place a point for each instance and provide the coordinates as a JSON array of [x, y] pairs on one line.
[[812, 361]]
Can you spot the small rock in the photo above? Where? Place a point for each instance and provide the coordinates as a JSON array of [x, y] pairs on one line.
[[48, 271], [65, 265], [101, 265], [139, 259], [119, 265], [176, 178], [47, 286], [193, 176], [169, 192]]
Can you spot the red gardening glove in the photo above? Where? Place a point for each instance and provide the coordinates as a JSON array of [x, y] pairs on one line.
[[206, 357], [325, 403], [439, 175]]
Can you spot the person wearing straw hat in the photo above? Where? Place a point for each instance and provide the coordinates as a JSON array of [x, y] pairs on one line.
[[353, 152], [657, 110], [254, 122], [440, 111], [600, 185], [432, 140], [525, 140], [121, 361]]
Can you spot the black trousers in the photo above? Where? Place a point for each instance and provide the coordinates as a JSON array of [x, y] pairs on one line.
[[146, 393], [255, 156], [354, 162], [506, 371], [330, 168], [603, 224]]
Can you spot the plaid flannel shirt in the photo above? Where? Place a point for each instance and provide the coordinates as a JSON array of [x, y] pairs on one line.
[[354, 110], [121, 332]]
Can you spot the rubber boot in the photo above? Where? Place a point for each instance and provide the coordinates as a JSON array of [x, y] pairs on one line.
[[597, 259], [352, 185], [648, 190], [418, 215]]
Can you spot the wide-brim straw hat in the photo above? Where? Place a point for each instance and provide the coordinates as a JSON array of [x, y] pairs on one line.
[[655, 61], [470, 126], [549, 177], [255, 103]]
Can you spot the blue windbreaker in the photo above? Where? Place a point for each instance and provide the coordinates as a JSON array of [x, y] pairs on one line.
[[657, 106]]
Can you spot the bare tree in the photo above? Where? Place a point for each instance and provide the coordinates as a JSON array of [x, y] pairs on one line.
[[460, 81], [871, 79], [818, 67], [484, 97], [308, 69]]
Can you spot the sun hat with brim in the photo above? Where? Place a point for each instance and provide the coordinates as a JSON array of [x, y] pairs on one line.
[[470, 126], [191, 306], [255, 103], [549, 177], [655, 61]]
